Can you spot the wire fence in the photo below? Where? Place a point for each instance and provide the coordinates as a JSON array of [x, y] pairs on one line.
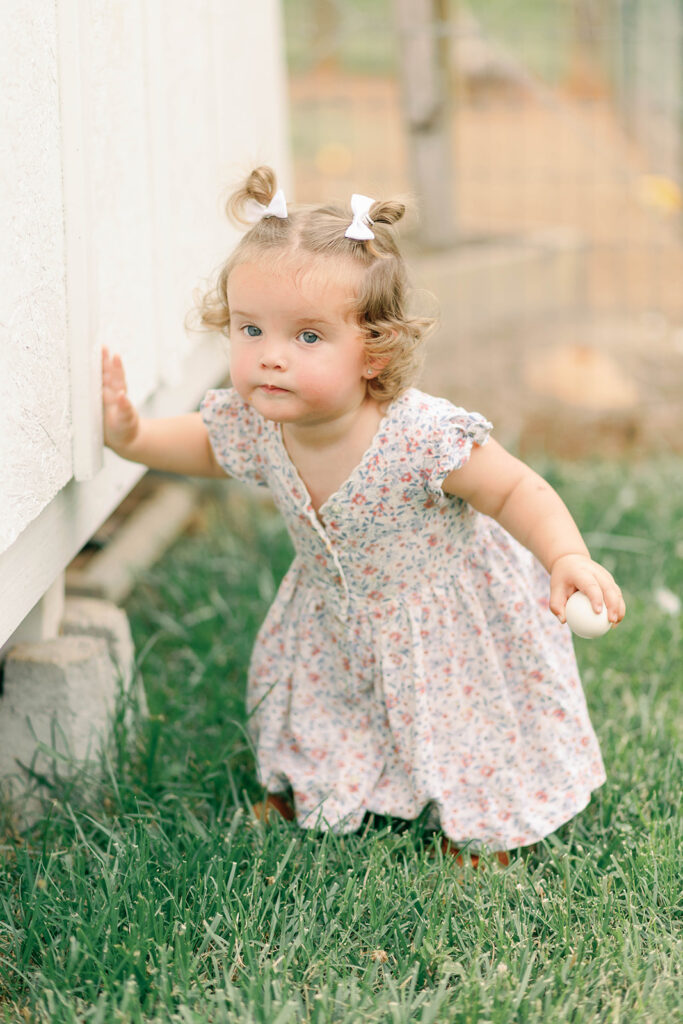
[[566, 124], [564, 113]]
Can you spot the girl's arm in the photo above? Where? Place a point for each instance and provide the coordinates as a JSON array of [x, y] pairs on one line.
[[179, 444], [499, 485]]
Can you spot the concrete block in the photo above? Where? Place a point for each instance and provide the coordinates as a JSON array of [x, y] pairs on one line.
[[90, 616], [58, 692]]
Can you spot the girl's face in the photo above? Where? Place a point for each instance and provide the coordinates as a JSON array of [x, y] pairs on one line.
[[296, 353]]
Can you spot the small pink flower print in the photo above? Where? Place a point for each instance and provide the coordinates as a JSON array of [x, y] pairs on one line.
[[487, 770], [541, 795]]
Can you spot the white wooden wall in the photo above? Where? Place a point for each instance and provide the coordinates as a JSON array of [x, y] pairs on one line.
[[123, 122]]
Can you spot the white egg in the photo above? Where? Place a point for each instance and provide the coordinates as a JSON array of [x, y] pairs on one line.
[[582, 620]]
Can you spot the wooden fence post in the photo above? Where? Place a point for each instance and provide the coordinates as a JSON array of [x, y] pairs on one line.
[[425, 46]]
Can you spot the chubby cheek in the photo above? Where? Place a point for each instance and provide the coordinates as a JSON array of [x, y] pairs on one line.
[[324, 389], [325, 381], [240, 367]]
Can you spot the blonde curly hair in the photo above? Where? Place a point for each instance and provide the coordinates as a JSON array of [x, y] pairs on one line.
[[393, 338]]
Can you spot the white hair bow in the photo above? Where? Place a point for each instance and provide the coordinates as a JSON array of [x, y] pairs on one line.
[[277, 207], [360, 225]]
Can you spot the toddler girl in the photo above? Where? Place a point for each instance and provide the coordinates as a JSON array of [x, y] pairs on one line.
[[413, 655]]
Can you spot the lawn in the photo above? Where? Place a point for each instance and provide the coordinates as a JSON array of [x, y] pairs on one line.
[[146, 893]]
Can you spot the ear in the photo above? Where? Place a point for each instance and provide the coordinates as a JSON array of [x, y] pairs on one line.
[[373, 367]]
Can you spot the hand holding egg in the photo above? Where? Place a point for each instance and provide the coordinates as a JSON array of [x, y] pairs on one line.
[[582, 620]]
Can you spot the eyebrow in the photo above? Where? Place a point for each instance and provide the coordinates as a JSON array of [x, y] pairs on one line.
[[301, 320]]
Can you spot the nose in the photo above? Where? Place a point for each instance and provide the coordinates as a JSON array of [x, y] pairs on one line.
[[272, 354]]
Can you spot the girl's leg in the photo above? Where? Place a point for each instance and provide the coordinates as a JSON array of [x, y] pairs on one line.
[[274, 803], [447, 848]]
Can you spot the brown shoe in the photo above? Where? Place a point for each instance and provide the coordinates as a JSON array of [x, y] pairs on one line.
[[447, 848], [273, 803]]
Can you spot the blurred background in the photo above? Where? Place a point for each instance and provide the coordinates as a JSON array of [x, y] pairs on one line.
[[542, 141]]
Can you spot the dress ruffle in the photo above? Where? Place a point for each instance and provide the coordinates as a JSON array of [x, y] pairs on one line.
[[455, 435], [234, 429]]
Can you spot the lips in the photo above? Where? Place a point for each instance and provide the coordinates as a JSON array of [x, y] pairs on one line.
[[271, 389]]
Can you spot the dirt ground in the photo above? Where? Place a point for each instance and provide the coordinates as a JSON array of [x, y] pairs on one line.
[[597, 370]]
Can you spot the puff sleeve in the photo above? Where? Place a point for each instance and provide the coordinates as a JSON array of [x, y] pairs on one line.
[[454, 435], [236, 434]]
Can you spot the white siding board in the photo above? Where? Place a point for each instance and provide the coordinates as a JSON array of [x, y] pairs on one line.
[[35, 422], [123, 236], [111, 215], [85, 373]]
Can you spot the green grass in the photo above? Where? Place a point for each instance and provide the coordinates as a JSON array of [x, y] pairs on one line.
[[145, 892]]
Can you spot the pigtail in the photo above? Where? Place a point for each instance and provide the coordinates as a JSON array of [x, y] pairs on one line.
[[260, 187], [388, 211]]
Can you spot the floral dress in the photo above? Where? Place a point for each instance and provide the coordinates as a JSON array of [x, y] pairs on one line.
[[410, 659]]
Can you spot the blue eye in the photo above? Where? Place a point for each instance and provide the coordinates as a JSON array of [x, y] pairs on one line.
[[309, 337], [252, 331]]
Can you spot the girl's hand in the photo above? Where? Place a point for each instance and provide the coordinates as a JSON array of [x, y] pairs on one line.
[[121, 420], [578, 572]]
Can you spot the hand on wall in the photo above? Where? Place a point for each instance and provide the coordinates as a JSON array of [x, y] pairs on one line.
[[120, 417]]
